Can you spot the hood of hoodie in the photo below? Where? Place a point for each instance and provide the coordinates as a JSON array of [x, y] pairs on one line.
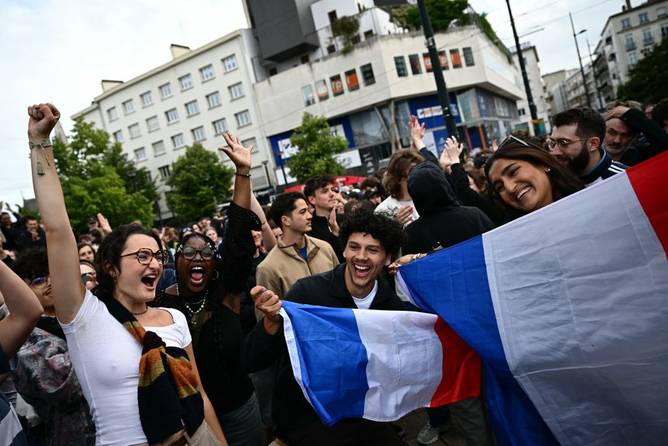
[[429, 189]]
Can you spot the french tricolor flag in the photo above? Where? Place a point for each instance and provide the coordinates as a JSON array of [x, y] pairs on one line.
[[568, 309], [378, 365]]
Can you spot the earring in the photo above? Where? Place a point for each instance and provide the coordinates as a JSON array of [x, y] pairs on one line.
[[547, 170]]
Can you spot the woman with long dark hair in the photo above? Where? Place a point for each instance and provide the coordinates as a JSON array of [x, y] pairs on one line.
[[524, 177], [135, 363]]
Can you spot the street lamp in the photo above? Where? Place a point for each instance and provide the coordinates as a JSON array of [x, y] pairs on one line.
[[577, 48], [593, 72]]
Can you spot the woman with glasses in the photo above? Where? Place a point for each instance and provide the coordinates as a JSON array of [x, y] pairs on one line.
[[135, 363], [524, 177], [210, 281], [43, 373]]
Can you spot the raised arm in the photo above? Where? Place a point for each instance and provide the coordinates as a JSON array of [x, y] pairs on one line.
[[268, 237], [24, 311], [241, 157], [68, 290]]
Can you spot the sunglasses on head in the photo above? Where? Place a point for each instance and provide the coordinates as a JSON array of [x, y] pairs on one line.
[[512, 138]]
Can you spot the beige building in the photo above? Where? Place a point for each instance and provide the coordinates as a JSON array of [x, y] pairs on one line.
[[193, 98]]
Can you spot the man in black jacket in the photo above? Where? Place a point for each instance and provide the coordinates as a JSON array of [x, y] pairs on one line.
[[370, 242], [630, 137], [322, 194]]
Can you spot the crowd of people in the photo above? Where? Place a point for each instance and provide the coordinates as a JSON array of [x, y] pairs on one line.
[[135, 336]]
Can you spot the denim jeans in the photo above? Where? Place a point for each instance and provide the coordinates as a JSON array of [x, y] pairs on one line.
[[243, 426]]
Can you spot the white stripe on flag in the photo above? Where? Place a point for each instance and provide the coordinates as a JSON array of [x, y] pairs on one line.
[[571, 312], [291, 343], [405, 355]]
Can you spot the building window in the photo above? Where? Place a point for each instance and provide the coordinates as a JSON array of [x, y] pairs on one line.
[[630, 44], [307, 95], [414, 61], [331, 15], [351, 80], [198, 134], [213, 99], [633, 58], [230, 63], [644, 18], [152, 124], [661, 12], [164, 172], [207, 73], [337, 85], [400, 65], [165, 90], [664, 30], [321, 90], [172, 115], [219, 126], [426, 59], [128, 107], [178, 141], [367, 75], [112, 114], [158, 148], [140, 154], [443, 60], [468, 56], [368, 34], [250, 144], [186, 82], [236, 91], [626, 23], [118, 136], [146, 99], [134, 131], [243, 118], [455, 58], [192, 108], [647, 37], [331, 49]]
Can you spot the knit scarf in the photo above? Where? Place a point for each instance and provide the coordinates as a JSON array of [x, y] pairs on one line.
[[168, 397]]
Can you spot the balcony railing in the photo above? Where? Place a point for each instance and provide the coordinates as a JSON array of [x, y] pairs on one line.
[[630, 46], [648, 42]]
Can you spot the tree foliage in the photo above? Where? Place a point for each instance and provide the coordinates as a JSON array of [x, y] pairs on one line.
[[317, 147], [441, 13], [198, 183], [647, 79], [347, 29], [97, 176]]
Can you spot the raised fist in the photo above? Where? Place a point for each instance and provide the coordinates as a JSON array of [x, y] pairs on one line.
[[43, 117]]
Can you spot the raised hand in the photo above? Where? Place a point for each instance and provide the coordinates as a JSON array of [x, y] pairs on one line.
[[417, 132], [240, 155], [43, 118], [404, 214], [333, 224], [105, 227], [617, 112], [451, 152]]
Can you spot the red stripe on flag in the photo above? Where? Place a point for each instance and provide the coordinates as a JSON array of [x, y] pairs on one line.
[[461, 368], [650, 183]]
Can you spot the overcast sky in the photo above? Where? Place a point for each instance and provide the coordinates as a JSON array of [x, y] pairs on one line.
[[58, 51]]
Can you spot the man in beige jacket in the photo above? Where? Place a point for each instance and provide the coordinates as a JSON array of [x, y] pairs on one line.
[[295, 255]]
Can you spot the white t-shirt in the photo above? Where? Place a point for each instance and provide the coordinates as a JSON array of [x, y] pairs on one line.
[[391, 205], [106, 358], [364, 303]]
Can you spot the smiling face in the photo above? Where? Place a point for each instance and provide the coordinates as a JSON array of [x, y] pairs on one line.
[[571, 150], [195, 273], [133, 281], [520, 184], [365, 260]]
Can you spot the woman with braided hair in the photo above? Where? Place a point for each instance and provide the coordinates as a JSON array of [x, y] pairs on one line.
[[135, 363]]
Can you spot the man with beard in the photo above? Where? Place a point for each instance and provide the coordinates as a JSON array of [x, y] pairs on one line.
[[631, 137], [577, 142]]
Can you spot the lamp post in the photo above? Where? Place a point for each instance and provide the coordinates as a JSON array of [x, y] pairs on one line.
[[598, 90], [523, 69], [577, 48]]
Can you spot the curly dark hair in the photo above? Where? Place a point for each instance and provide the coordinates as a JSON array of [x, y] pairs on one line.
[[109, 255], [563, 181], [315, 183], [389, 232], [31, 263]]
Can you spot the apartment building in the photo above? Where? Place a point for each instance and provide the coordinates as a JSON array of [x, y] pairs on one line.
[[532, 65], [193, 98]]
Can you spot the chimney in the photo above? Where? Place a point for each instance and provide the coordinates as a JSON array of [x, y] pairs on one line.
[[628, 4], [108, 84], [178, 50]]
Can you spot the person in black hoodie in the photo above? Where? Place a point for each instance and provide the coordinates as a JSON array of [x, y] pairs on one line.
[[444, 222]]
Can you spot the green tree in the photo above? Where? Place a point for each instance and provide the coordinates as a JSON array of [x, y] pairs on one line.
[[98, 177], [317, 147], [647, 79], [197, 184], [347, 29], [441, 13]]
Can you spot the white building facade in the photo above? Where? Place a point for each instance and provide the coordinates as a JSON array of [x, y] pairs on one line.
[[532, 65], [194, 98]]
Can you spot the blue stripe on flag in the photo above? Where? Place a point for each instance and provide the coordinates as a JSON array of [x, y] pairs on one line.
[[453, 284], [330, 348]]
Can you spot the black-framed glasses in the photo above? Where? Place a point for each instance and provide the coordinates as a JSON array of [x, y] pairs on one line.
[[145, 255], [561, 142], [39, 281], [189, 252], [513, 138]]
